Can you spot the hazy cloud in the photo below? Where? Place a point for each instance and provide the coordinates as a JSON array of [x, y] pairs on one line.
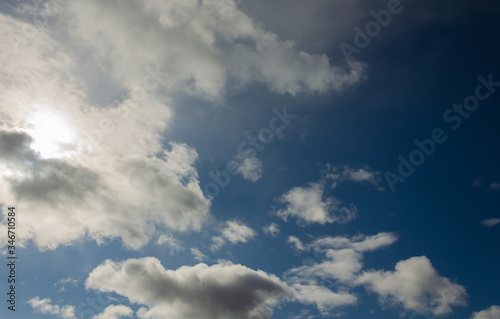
[[66, 282], [491, 222]]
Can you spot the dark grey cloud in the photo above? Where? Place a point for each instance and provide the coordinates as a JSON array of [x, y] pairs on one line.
[[15, 145], [44, 180]]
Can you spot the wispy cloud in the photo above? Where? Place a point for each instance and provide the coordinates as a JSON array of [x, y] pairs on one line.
[[66, 282], [338, 174], [491, 222], [198, 255], [272, 229], [171, 242]]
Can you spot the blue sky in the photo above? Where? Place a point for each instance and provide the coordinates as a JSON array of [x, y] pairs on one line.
[[232, 159]]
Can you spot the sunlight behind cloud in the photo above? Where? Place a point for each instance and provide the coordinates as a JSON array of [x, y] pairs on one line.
[[50, 132]]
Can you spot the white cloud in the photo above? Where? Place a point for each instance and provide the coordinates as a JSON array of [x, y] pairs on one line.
[[237, 233], [358, 175], [416, 286], [198, 255], [44, 306], [343, 256], [250, 168], [171, 242], [491, 222], [324, 299], [220, 291], [338, 260], [233, 232], [493, 312], [115, 312], [215, 42], [272, 229], [309, 205]]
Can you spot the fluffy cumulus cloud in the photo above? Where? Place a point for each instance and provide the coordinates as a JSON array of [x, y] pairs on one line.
[[492, 312], [416, 286], [310, 205], [115, 312], [339, 260], [233, 232], [45, 306], [219, 291]]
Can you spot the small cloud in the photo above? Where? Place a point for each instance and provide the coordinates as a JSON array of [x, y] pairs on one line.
[[198, 255], [357, 175], [234, 232], [491, 222], [66, 282], [476, 183], [171, 242], [310, 205], [495, 186], [251, 168], [44, 306], [272, 229]]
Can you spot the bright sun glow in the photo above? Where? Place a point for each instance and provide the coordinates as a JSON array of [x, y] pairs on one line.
[[50, 132]]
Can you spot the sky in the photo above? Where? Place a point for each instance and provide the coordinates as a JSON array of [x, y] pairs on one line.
[[238, 159]]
